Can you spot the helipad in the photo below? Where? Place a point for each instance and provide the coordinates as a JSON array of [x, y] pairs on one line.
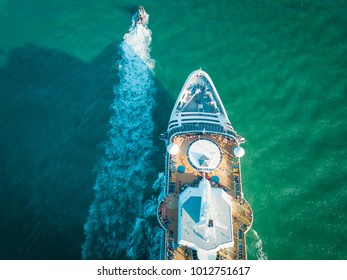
[[204, 155]]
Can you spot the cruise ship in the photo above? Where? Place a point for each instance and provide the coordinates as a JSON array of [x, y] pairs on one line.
[[203, 212]]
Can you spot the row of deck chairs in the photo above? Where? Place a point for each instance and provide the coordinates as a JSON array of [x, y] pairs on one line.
[[171, 248], [173, 164], [172, 184], [240, 249], [172, 243], [237, 185], [239, 234], [237, 189], [173, 167]]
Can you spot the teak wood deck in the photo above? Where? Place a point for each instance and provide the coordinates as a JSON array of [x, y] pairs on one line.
[[229, 173]]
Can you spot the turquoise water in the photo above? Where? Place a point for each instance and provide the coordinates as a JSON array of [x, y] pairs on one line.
[[279, 66]]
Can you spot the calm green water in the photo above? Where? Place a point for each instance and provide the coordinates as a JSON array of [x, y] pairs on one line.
[[279, 66]]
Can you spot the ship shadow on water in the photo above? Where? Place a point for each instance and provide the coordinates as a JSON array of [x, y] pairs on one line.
[[55, 112], [161, 115]]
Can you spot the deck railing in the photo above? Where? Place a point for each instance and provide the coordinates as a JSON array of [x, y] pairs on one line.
[[199, 128]]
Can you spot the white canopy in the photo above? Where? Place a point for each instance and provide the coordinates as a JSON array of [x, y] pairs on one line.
[[172, 149], [205, 219], [239, 152]]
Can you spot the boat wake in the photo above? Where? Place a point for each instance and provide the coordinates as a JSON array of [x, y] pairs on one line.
[[261, 255], [146, 236], [119, 225], [150, 213]]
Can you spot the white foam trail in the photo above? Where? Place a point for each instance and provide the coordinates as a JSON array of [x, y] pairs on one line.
[[146, 235], [261, 255], [114, 228], [159, 184], [135, 239], [156, 232]]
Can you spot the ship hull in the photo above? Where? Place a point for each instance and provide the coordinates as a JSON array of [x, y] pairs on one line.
[[204, 214]]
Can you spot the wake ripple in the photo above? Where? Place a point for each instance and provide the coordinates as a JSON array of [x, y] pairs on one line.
[[116, 226], [156, 233], [261, 255]]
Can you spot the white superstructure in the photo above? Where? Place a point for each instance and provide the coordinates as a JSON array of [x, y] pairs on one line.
[[204, 220], [197, 104]]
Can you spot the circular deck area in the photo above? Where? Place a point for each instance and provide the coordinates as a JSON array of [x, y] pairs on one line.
[[204, 155]]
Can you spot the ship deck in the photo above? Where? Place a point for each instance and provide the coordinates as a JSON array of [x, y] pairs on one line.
[[227, 176]]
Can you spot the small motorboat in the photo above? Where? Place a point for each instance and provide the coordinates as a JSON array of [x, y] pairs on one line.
[[141, 17]]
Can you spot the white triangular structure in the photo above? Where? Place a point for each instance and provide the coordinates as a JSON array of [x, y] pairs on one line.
[[205, 220]]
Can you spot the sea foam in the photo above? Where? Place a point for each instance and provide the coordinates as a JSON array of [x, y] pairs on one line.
[[118, 226], [261, 255]]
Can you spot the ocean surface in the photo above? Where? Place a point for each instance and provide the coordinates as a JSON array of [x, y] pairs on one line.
[[83, 99]]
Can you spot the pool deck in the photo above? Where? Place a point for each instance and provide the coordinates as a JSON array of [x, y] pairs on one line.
[[229, 174]]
